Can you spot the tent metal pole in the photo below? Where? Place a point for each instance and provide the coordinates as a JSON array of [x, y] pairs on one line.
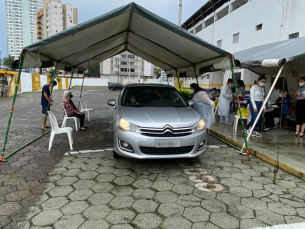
[[281, 116], [264, 104], [239, 110], [53, 77], [13, 104], [81, 91], [178, 81], [71, 78]]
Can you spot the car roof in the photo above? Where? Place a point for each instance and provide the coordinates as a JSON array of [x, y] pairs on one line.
[[149, 85]]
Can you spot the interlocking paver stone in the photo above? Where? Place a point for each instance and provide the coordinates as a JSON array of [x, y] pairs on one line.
[[147, 220], [240, 212], [82, 194], [97, 212], [122, 191], [251, 223], [75, 207], [145, 183], [224, 220], [82, 184], [105, 178], [95, 224], [54, 203], [9, 208], [144, 206], [277, 190], [196, 214], [72, 172], [105, 169], [177, 180], [102, 187], [67, 181], [88, 175], [281, 209], [144, 193], [166, 197], [60, 191], [69, 222], [177, 223], [121, 172], [46, 218], [204, 225], [213, 205], [101, 198], [120, 216], [122, 202], [162, 185], [124, 180], [253, 203], [170, 209], [269, 217], [251, 185], [183, 189]]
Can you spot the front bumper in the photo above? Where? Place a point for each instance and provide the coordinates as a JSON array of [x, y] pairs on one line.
[[137, 140]]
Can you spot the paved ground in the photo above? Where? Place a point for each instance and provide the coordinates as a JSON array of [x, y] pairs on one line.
[[88, 188]]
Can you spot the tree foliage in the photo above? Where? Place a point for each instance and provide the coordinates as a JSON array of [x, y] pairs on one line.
[[8, 61], [157, 72], [94, 68], [51, 73]]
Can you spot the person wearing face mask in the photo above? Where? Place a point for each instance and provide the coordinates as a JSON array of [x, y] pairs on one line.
[[241, 90], [300, 108], [257, 95], [224, 103], [72, 110], [213, 94], [203, 104]]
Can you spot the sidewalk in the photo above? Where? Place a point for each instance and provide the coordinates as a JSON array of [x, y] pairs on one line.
[[291, 149]]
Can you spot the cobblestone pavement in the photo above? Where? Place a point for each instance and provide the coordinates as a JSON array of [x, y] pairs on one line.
[[88, 188]]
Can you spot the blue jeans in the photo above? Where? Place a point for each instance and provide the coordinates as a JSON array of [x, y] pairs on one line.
[[224, 118], [254, 115]]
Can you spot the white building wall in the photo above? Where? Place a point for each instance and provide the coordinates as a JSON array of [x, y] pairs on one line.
[[106, 66]]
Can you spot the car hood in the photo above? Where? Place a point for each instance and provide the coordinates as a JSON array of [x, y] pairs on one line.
[[158, 117]]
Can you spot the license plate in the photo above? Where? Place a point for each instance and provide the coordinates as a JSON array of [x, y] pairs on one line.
[[167, 143]]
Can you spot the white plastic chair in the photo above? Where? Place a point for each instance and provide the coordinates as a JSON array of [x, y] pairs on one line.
[[236, 119], [84, 108], [56, 130], [66, 118]]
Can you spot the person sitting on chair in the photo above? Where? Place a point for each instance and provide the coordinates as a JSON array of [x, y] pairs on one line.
[[72, 111]]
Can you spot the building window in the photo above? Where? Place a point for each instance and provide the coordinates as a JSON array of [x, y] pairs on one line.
[[259, 27], [70, 21], [55, 24], [293, 35], [198, 28], [54, 12], [219, 43], [235, 38], [70, 9], [55, 18], [55, 7]]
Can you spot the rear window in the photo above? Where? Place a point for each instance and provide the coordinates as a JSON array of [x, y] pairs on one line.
[[152, 97]]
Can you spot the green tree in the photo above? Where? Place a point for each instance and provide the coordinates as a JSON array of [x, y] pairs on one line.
[[94, 68], [157, 72], [8, 61], [51, 73]]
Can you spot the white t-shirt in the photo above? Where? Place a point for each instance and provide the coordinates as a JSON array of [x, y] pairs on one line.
[[257, 95]]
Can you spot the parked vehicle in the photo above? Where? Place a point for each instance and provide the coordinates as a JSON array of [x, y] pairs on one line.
[[115, 86], [155, 121]]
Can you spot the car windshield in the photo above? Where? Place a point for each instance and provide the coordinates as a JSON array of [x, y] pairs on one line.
[[152, 97]]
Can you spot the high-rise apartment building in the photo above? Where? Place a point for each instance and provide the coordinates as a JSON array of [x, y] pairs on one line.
[[19, 26], [54, 17]]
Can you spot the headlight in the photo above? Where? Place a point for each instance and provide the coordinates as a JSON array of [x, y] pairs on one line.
[[199, 126], [125, 125]]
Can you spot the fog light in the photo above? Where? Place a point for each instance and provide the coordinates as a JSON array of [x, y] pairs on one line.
[[201, 146], [125, 146]]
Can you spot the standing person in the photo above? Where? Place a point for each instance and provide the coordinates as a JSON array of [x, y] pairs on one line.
[[213, 94], [203, 104], [72, 110], [257, 95], [45, 98], [300, 108], [241, 90], [224, 103]]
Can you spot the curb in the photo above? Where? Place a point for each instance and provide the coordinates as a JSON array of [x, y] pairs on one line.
[[262, 156]]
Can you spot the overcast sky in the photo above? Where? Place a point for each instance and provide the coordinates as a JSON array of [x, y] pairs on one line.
[[88, 9]]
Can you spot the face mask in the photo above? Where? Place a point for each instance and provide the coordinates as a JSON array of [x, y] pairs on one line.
[[71, 96], [261, 84], [301, 84], [281, 95], [133, 100], [192, 92]]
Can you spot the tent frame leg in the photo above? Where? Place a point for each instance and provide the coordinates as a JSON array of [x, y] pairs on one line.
[[12, 107], [264, 103], [71, 78]]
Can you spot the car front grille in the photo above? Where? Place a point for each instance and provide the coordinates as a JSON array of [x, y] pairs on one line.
[[166, 151], [166, 131]]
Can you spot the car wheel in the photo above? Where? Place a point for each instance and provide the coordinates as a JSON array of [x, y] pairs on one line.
[[115, 155], [111, 89]]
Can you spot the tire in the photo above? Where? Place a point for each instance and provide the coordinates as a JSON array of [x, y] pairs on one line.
[[111, 89], [116, 156]]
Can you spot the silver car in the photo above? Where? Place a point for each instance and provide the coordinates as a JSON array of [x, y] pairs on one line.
[[153, 121]]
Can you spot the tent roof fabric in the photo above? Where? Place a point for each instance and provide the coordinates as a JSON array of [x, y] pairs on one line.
[[291, 50], [132, 28]]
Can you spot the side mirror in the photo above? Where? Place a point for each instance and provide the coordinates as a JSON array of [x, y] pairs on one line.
[[111, 102], [191, 103]]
